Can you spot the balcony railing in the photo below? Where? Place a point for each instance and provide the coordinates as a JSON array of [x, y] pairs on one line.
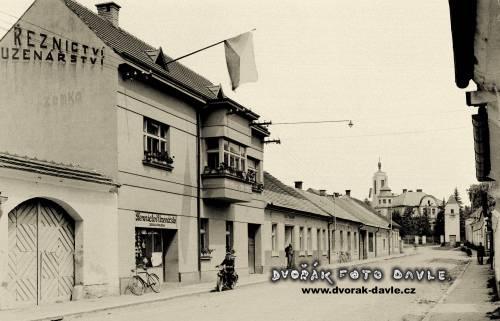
[[158, 159], [223, 170]]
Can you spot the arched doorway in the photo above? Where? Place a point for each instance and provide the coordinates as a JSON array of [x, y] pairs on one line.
[[41, 253]]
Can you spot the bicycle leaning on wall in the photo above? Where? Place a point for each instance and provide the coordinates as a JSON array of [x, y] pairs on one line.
[[139, 283]]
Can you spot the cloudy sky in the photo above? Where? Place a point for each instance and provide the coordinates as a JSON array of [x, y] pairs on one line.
[[387, 65]]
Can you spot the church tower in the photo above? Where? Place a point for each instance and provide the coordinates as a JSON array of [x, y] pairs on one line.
[[380, 193], [380, 180]]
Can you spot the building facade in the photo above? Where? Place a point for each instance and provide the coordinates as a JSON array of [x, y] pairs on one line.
[[133, 162], [476, 229], [452, 222]]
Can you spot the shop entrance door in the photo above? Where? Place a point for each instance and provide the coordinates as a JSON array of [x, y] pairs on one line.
[[453, 240], [171, 256], [288, 236], [41, 253], [252, 230]]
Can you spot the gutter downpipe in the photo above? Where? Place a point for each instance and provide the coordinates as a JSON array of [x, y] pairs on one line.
[[390, 234], [376, 236], [198, 187], [330, 221]]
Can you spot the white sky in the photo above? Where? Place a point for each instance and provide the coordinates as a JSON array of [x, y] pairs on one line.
[[387, 65]]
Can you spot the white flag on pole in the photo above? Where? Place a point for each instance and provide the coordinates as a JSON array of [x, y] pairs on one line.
[[240, 59]]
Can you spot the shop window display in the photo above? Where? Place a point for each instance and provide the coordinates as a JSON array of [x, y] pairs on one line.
[[148, 247]]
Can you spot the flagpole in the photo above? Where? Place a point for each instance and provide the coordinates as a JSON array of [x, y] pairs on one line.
[[194, 52]]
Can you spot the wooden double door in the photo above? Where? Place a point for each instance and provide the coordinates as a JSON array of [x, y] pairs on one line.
[[41, 263]]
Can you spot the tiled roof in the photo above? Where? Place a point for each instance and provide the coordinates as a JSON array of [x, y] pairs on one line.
[[369, 208], [278, 194], [452, 200], [328, 206], [52, 169], [365, 216], [410, 199], [126, 44]]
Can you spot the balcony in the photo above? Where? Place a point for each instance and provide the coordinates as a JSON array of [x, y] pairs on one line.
[[229, 184]]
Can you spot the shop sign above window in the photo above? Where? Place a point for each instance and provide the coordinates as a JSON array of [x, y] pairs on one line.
[[155, 220]]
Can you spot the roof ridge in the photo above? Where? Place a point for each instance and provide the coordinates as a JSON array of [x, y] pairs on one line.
[[282, 186], [104, 20], [318, 206], [181, 73]]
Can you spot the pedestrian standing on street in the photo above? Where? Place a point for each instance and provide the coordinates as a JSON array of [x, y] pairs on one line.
[[480, 253], [289, 256]]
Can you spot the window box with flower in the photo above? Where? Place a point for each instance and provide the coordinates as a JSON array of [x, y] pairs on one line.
[[206, 254], [155, 145]]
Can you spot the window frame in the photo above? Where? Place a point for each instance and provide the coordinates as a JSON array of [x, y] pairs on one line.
[[371, 242], [204, 238], [274, 239], [309, 246], [149, 236], [158, 156], [229, 235], [301, 240]]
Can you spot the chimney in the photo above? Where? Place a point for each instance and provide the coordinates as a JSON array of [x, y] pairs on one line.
[[109, 11], [419, 190], [348, 192], [298, 184], [404, 190], [322, 192], [336, 194]]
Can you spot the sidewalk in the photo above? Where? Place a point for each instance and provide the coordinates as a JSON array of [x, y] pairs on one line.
[[56, 311], [468, 298]]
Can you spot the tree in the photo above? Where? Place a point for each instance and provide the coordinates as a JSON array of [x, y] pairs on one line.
[[475, 191], [408, 221], [396, 217], [460, 211], [424, 224], [458, 198], [439, 225]]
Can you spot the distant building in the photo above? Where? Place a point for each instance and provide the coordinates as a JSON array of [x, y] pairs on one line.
[[476, 229], [385, 202], [452, 221]]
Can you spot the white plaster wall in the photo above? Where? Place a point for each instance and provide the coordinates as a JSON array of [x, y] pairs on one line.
[[92, 206]]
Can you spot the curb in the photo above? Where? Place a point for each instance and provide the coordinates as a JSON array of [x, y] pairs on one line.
[[130, 304], [59, 316]]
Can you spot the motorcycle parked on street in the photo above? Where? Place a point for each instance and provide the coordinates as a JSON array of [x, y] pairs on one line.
[[226, 278]]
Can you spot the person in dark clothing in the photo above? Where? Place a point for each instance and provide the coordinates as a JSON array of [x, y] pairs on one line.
[[480, 253], [289, 256], [229, 259], [228, 263]]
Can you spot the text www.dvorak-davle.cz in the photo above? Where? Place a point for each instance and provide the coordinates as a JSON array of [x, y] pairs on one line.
[[359, 290]]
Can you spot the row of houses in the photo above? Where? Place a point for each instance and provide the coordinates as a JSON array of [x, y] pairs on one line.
[[326, 228], [476, 229], [111, 157]]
